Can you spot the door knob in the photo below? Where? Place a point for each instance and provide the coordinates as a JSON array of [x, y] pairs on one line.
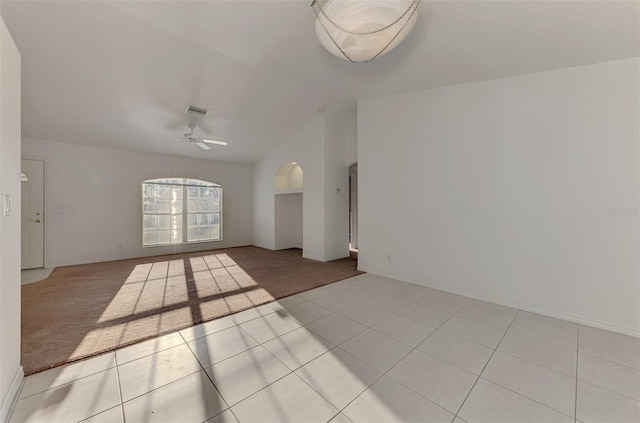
[[36, 220]]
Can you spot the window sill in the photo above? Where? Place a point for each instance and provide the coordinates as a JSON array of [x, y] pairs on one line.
[[182, 243]]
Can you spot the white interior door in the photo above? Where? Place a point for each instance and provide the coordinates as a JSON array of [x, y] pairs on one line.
[[32, 214]]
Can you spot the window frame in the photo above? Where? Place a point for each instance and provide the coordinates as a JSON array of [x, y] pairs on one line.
[[184, 183]]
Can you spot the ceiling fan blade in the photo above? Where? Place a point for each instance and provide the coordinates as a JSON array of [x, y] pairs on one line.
[[216, 142], [177, 143], [203, 145]]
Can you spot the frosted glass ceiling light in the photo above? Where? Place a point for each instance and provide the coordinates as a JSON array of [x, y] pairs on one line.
[[361, 30]]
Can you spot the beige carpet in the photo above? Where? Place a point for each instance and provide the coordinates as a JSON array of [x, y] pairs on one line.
[[83, 310]]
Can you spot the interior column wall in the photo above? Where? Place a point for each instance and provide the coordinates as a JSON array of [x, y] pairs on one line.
[[319, 146], [336, 183], [303, 144]]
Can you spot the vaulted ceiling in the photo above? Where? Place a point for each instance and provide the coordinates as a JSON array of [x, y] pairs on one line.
[[120, 74]]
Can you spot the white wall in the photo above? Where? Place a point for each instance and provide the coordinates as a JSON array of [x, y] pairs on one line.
[[10, 370], [501, 189], [351, 137], [102, 187], [303, 144], [288, 221]]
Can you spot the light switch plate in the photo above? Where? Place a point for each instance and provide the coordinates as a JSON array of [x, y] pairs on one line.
[[7, 205]]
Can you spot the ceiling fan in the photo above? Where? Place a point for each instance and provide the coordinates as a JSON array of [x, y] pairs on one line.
[[196, 139]]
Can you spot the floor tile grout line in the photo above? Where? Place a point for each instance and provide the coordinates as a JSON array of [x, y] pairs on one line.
[[482, 323], [255, 346], [370, 305], [227, 358], [161, 386], [495, 349], [485, 365], [533, 362], [575, 401], [274, 381], [609, 333], [448, 362], [416, 348], [348, 339], [264, 387], [528, 398], [541, 340], [115, 358], [230, 410], [103, 411], [609, 390], [202, 369], [315, 390], [257, 317], [335, 346], [470, 340], [290, 372], [62, 384], [402, 342], [152, 353], [205, 335], [419, 394], [402, 358], [609, 361], [271, 327], [385, 373], [259, 390]]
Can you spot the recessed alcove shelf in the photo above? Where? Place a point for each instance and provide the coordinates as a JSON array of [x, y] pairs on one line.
[[288, 179]]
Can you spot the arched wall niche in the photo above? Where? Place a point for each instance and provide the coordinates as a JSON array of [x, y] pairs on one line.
[[288, 177]]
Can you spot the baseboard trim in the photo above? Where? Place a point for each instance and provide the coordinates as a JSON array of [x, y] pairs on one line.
[[154, 252], [12, 396], [575, 318], [312, 257], [322, 259]]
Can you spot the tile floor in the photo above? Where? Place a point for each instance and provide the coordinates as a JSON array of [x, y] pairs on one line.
[[366, 349]]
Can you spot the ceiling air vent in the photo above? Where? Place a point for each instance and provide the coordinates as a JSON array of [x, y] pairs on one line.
[[196, 111]]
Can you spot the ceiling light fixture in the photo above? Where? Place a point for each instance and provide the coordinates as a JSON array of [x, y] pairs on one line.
[[361, 30]]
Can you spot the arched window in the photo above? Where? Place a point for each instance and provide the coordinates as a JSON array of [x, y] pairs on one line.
[[180, 211]]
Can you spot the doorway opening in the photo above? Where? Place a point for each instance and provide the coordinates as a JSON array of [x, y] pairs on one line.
[[353, 208]]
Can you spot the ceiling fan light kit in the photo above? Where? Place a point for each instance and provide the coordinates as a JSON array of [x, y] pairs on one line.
[[362, 30], [193, 138]]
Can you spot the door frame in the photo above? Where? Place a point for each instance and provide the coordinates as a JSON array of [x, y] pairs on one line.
[[44, 207], [353, 206]]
